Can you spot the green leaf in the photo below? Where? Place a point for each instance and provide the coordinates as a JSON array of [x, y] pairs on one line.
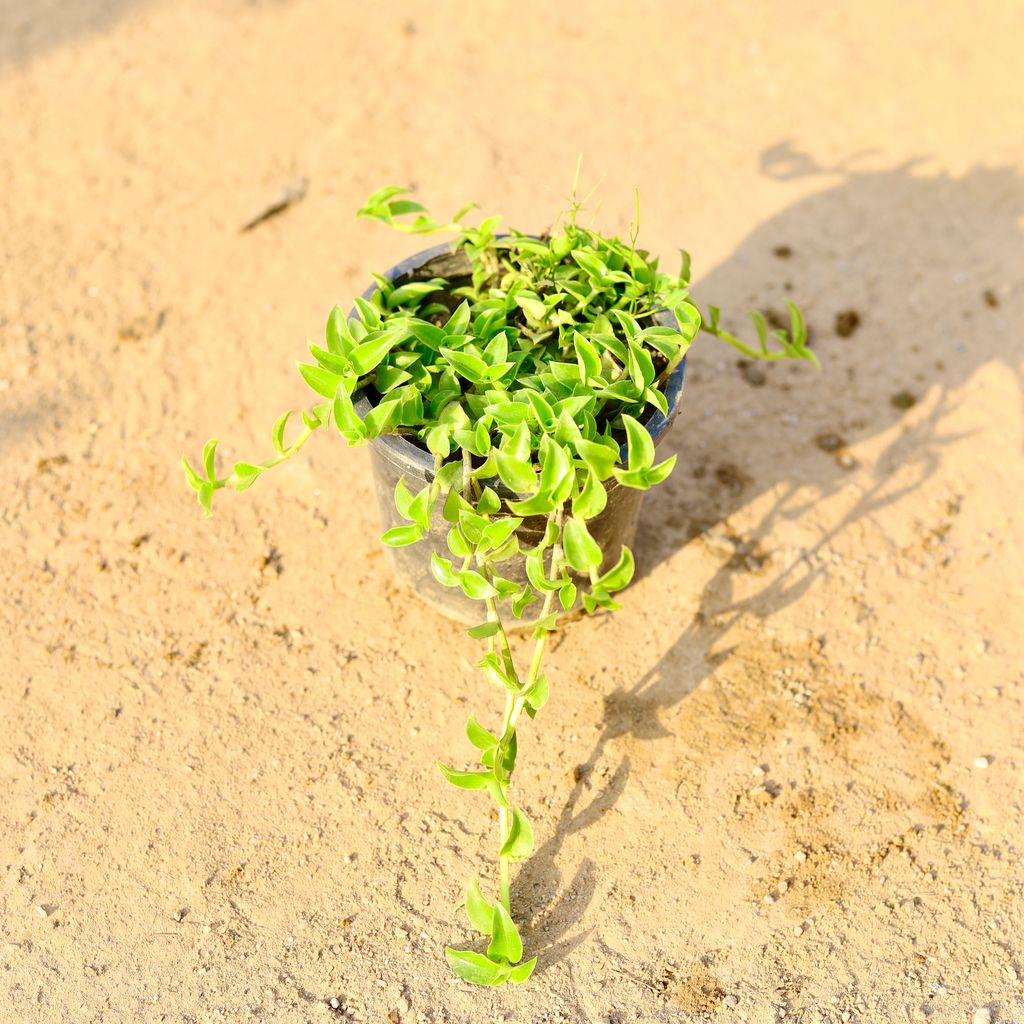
[[535, 571], [439, 440], [195, 481], [533, 308], [206, 498], [346, 418], [401, 536], [479, 736], [368, 355], [322, 381], [478, 910], [382, 418], [488, 503], [414, 290], [457, 543], [420, 508], [520, 838], [427, 334], [587, 356], [523, 971], [505, 943], [600, 458], [555, 471], [458, 321], [403, 498], [474, 585], [520, 602], [517, 474], [545, 625], [641, 446], [246, 474], [442, 570], [582, 552], [483, 631], [542, 410], [369, 313], [476, 968], [536, 695], [209, 459], [277, 434], [591, 500], [466, 364], [538, 505], [499, 531], [465, 780], [656, 474], [620, 574]]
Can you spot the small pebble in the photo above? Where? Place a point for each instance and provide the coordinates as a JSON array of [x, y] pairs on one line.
[[731, 1000], [335, 1003], [983, 1015], [42, 911], [847, 322], [757, 771], [982, 762], [800, 856]]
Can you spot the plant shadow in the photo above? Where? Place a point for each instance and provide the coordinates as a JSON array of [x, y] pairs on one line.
[[911, 281]]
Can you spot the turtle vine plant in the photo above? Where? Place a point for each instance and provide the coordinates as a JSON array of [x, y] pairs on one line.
[[523, 378]]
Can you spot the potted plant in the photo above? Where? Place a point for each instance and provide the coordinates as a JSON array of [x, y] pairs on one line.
[[513, 389]]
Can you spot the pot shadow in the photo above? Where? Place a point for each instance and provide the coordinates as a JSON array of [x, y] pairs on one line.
[[921, 231]]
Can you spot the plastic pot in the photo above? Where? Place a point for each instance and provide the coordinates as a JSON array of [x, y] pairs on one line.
[[394, 457]]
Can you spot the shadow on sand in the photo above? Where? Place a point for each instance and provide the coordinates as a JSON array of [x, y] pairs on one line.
[[912, 281]]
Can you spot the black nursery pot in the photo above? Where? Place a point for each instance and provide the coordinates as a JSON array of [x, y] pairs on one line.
[[394, 457]]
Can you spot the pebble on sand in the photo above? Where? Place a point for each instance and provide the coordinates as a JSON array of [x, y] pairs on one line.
[[983, 761], [983, 1015]]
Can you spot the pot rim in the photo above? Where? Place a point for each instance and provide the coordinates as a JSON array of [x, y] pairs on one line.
[[657, 426]]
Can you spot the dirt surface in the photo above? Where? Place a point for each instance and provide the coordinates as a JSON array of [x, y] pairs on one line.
[[784, 783]]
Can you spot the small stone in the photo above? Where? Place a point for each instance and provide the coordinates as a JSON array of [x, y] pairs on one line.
[[731, 1000], [753, 375], [847, 322], [798, 930], [903, 400], [42, 911], [757, 771], [335, 1002], [800, 856], [771, 898], [983, 1015], [829, 441], [982, 762]]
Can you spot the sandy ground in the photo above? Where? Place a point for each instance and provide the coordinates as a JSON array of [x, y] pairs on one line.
[[784, 783]]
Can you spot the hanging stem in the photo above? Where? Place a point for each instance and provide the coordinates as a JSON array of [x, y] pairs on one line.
[[514, 707]]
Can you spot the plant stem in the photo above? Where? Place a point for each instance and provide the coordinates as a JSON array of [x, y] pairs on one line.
[[514, 704]]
